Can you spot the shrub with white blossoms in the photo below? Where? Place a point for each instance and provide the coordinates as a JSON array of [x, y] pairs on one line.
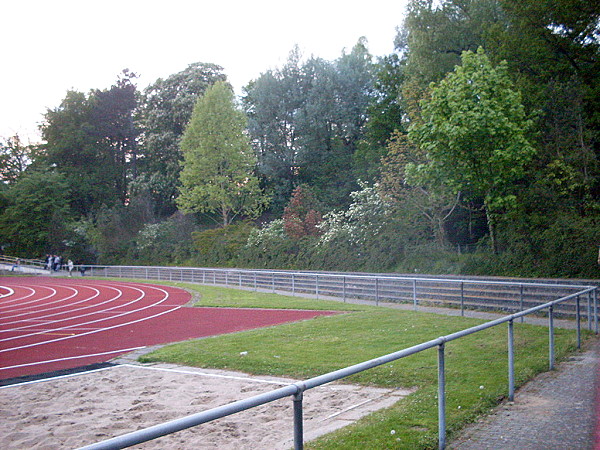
[[363, 219], [265, 236]]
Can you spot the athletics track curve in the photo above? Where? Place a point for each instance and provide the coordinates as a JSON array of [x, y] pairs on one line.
[[49, 324]]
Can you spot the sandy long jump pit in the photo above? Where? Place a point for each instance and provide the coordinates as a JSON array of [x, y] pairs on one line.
[[82, 409]]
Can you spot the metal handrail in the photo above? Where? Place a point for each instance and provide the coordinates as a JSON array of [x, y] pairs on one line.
[[463, 293], [296, 390]]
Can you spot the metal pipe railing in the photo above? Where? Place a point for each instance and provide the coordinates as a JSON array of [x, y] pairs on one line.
[[459, 293]]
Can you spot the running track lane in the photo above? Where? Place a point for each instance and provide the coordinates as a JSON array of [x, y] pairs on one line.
[[49, 324]]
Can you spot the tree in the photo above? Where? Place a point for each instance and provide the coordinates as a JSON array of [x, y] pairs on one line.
[[301, 216], [14, 158], [91, 140], [166, 109], [34, 221], [474, 130], [74, 152], [399, 183], [217, 174], [306, 121], [433, 37]]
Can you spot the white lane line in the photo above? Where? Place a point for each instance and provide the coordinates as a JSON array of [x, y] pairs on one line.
[[119, 294], [9, 293], [204, 374], [35, 344], [37, 308], [69, 358], [87, 299], [9, 303], [93, 313]]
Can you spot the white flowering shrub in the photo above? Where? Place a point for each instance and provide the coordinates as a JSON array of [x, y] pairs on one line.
[[363, 219], [263, 238]]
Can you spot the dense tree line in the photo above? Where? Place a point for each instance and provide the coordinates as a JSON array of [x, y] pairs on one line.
[[472, 148]]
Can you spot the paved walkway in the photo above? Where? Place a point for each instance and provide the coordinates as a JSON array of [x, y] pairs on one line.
[[556, 411]]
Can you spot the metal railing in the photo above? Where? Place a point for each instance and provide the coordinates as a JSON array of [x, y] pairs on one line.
[[296, 390], [463, 294], [14, 264]]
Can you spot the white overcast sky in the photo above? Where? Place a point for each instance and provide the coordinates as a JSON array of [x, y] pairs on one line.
[[51, 46]]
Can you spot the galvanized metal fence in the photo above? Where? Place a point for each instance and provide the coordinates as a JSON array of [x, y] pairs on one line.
[[296, 390], [468, 293]]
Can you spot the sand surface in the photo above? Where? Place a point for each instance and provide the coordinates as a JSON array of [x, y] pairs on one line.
[[74, 411]]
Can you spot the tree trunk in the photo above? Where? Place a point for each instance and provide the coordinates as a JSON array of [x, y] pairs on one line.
[[225, 215], [491, 229]]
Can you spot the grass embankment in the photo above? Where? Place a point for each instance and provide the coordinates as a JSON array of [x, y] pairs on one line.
[[476, 366]]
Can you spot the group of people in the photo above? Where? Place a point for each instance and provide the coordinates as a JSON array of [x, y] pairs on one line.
[[54, 263]]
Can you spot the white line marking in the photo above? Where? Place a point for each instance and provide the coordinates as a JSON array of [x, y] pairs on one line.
[[68, 358], [54, 378], [204, 374], [97, 320], [9, 293], [350, 408]]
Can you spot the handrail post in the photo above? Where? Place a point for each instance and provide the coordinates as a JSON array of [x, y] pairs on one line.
[[578, 317], [344, 293], [589, 312], [415, 293], [521, 301], [595, 295], [317, 286], [376, 291], [551, 337], [293, 284], [462, 298], [441, 397], [298, 425], [511, 361]]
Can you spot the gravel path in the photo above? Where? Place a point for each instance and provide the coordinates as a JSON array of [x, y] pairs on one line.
[[555, 411]]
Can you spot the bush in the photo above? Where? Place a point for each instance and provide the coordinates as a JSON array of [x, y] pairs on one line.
[[220, 246]]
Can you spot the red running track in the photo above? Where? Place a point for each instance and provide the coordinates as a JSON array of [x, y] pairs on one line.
[[49, 324]]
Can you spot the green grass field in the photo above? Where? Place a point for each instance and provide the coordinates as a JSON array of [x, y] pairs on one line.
[[476, 366]]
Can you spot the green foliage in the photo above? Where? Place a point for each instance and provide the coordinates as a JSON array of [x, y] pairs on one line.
[[166, 242], [306, 121], [218, 161], [35, 218], [166, 108], [474, 130], [91, 140], [113, 231], [14, 159], [220, 246], [363, 219]]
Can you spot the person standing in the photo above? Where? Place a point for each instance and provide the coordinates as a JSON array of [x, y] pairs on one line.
[[70, 266]]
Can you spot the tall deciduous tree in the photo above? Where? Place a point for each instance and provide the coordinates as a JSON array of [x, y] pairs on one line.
[[14, 158], [90, 139], [166, 109], [217, 174], [474, 131], [306, 120], [34, 221]]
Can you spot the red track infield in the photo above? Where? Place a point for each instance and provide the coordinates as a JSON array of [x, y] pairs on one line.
[[49, 324]]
